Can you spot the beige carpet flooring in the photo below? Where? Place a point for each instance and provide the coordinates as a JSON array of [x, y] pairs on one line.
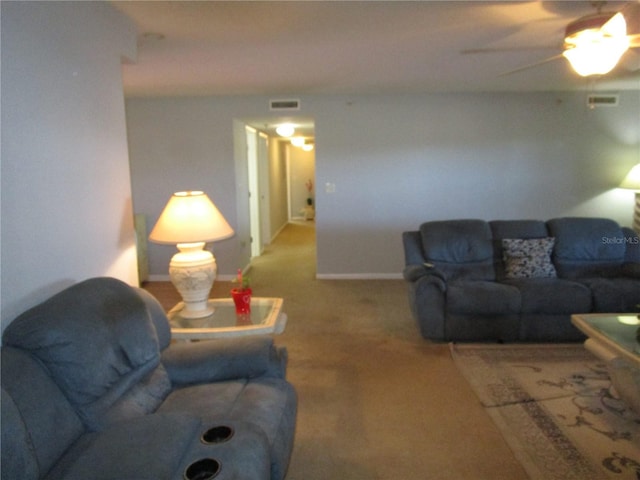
[[376, 401]]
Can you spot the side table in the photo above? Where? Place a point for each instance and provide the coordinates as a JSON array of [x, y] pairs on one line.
[[613, 338], [266, 317]]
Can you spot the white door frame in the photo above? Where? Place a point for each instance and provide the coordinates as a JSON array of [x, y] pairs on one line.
[[254, 190]]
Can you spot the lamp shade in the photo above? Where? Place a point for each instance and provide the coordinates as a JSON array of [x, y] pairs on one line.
[[190, 217], [632, 180]]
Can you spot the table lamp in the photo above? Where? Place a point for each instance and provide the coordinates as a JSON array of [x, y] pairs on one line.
[[632, 182], [189, 220]]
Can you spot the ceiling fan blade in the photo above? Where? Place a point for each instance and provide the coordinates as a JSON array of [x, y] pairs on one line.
[[630, 61], [634, 41], [631, 13], [473, 51], [531, 65]]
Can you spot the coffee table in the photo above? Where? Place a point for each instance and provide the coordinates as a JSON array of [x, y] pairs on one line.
[[613, 338], [266, 317]]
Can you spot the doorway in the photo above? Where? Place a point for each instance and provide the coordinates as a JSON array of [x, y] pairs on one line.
[[271, 191], [257, 148]]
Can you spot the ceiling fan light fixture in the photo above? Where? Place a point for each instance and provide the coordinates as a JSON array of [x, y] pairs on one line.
[[596, 59], [594, 44]]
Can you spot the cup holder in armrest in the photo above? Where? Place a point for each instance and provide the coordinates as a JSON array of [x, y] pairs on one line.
[[204, 469], [219, 434]]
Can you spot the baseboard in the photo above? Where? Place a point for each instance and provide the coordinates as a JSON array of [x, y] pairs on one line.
[[279, 232], [159, 278], [359, 276], [165, 278]]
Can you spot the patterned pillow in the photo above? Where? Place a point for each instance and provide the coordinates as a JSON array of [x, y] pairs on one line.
[[528, 258]]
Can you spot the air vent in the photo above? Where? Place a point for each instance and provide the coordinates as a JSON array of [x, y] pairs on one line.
[[282, 105], [602, 100]]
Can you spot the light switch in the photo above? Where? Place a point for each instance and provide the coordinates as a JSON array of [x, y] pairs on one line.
[[330, 187]]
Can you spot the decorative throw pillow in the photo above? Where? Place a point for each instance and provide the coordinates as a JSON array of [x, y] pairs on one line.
[[528, 258]]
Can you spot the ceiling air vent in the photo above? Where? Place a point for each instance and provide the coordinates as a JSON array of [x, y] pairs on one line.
[[602, 100], [284, 105]]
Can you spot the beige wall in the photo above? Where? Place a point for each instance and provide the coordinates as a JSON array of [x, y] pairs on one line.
[[399, 160], [66, 188]]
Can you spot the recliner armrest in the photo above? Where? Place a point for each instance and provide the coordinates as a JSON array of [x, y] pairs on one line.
[[411, 273], [224, 359]]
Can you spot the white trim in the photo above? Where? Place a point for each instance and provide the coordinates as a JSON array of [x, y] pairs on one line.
[[166, 278], [359, 276], [159, 278]]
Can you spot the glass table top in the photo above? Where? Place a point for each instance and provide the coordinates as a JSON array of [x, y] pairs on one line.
[[620, 329], [265, 317]]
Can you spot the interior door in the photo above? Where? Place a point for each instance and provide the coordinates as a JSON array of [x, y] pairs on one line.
[[254, 191], [263, 189]]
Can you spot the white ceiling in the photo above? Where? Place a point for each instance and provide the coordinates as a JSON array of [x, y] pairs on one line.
[[292, 48], [308, 47]]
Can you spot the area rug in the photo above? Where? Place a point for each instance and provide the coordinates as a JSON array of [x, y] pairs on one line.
[[555, 408]]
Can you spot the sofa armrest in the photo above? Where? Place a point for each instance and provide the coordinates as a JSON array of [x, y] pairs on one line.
[[427, 299], [224, 359], [413, 273]]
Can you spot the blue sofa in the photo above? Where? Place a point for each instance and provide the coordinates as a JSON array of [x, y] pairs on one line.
[[93, 388], [518, 280]]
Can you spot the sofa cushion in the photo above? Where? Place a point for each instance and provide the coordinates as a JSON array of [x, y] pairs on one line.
[[528, 257], [632, 246], [518, 229], [513, 229], [43, 411], [587, 247], [482, 298], [97, 341], [459, 248], [158, 317], [614, 295], [145, 448], [18, 455], [552, 295]]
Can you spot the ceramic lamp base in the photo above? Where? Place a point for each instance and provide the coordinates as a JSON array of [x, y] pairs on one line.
[[193, 271]]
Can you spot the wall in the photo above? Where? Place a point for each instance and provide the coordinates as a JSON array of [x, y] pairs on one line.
[[189, 144], [399, 160], [66, 190], [277, 186], [302, 169]]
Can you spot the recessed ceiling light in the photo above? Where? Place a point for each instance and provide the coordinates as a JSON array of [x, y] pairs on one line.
[[285, 130]]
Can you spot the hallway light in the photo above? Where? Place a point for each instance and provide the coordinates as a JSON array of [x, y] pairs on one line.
[[286, 130]]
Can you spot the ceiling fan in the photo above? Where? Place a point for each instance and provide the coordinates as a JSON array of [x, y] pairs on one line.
[[594, 44]]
